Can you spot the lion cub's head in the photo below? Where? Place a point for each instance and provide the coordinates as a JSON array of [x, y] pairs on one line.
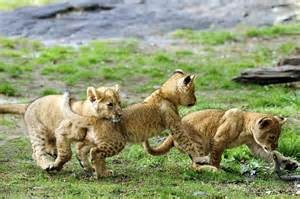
[[267, 131], [180, 89], [105, 102]]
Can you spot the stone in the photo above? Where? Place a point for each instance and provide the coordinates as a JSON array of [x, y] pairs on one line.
[[83, 20]]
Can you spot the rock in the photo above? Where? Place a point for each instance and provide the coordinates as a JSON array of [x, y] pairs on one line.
[[200, 193], [83, 20]]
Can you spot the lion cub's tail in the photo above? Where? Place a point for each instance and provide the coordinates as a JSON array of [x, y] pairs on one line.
[[13, 108], [79, 120], [161, 149]]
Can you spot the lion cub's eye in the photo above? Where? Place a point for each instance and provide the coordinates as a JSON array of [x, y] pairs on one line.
[[110, 104]]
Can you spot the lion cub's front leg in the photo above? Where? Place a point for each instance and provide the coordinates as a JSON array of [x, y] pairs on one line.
[[82, 150], [97, 156]]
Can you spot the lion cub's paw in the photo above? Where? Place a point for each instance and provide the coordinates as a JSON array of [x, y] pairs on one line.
[[286, 163], [201, 160], [88, 174], [201, 168], [53, 167], [45, 163], [106, 173], [291, 166]]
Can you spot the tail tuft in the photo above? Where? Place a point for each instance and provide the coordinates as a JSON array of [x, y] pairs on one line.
[[80, 120]]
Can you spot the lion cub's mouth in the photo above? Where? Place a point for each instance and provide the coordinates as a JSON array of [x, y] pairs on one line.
[[116, 119]]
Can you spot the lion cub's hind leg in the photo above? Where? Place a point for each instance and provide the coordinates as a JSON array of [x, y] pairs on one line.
[[39, 149], [63, 144], [51, 148], [66, 133]]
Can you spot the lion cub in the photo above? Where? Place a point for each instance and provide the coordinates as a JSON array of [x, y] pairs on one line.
[[44, 116], [144, 120], [76, 130], [219, 130]]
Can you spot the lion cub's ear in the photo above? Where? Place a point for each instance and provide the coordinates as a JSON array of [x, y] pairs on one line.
[[188, 80], [264, 122], [91, 94], [116, 88], [179, 71], [281, 120]]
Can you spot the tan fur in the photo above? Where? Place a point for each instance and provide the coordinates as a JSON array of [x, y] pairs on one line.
[[158, 112], [220, 130], [107, 142], [13, 108], [44, 116]]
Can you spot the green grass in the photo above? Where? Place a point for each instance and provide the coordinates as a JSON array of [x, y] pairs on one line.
[[13, 4], [5, 120], [8, 89], [136, 175], [205, 37], [49, 91], [29, 69], [274, 31], [220, 37]]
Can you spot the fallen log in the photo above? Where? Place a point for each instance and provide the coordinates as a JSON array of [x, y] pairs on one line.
[[274, 75], [295, 61]]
